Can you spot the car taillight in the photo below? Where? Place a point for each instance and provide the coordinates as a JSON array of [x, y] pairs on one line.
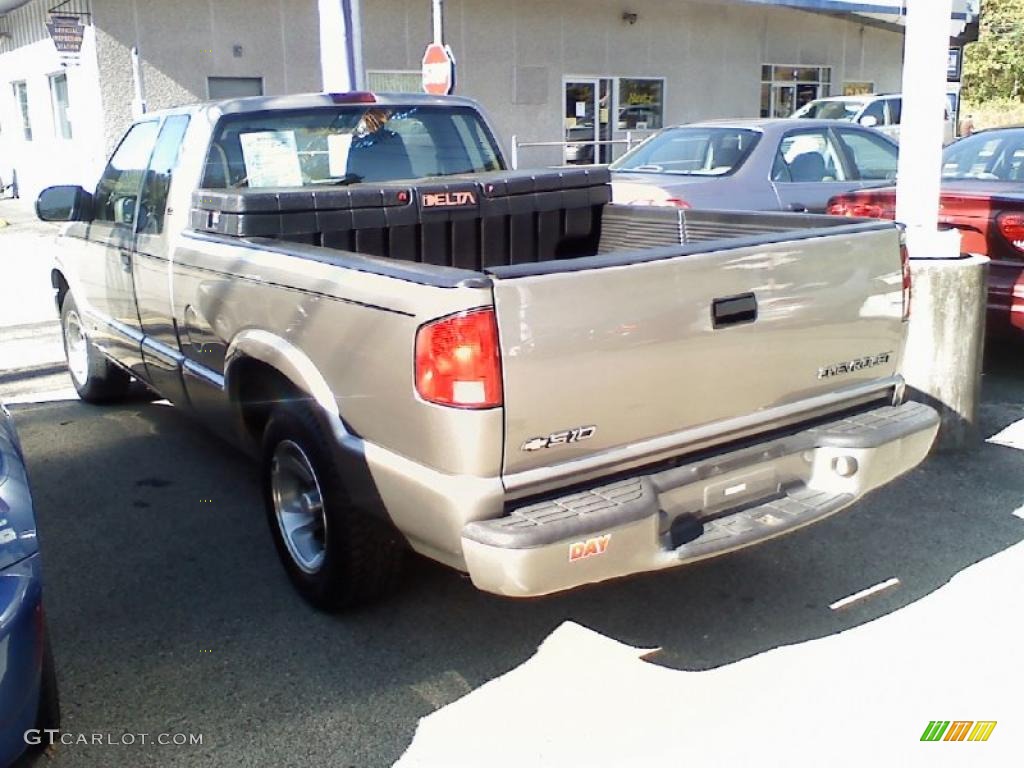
[[1011, 226], [458, 360], [861, 210], [905, 264]]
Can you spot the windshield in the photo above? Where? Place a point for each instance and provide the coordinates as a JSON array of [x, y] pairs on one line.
[[346, 145], [997, 156], [690, 152], [831, 110]]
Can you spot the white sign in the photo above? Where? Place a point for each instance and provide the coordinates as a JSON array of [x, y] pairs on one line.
[[271, 159], [338, 147]]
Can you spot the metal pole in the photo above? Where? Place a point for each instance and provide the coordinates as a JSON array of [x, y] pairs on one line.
[[438, 14], [139, 102], [515, 152]]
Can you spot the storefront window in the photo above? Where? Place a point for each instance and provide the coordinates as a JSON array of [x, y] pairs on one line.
[[786, 88], [641, 104], [21, 96], [59, 100]]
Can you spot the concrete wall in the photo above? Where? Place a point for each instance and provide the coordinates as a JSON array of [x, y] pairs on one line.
[[710, 52], [185, 41]]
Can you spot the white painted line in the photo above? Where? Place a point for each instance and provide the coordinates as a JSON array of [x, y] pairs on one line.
[[42, 397], [1019, 512], [1011, 436], [863, 594]]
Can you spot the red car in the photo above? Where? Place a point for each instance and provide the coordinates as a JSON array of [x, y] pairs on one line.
[[983, 197]]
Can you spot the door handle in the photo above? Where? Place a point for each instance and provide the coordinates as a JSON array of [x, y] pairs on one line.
[[126, 260], [734, 310]]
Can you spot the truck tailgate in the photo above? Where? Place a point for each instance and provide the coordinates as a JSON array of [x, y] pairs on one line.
[[614, 350]]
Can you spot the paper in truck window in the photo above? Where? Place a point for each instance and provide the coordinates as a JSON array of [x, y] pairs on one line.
[[338, 147], [271, 159]]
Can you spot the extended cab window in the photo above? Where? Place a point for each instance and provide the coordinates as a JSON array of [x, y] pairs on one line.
[[118, 190], [158, 177], [346, 145]]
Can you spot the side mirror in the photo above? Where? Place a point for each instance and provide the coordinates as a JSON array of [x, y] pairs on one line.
[[869, 121], [64, 203]]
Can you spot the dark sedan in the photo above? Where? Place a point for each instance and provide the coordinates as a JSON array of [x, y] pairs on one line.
[[760, 165], [983, 197], [28, 684]]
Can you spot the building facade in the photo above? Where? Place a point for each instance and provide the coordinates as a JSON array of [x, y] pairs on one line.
[[548, 72]]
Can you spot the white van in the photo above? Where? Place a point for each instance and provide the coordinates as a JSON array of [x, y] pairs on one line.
[[879, 111]]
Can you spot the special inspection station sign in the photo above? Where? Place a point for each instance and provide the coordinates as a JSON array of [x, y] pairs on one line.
[[67, 33]]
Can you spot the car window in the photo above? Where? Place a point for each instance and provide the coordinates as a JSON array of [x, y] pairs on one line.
[[996, 156], [153, 205], [895, 111], [875, 109], [830, 110], [808, 156], [118, 189], [696, 151], [873, 157], [347, 144]]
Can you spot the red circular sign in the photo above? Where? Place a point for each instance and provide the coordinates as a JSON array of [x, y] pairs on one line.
[[438, 69]]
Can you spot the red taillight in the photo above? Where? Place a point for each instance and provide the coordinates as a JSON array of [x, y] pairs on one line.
[[458, 361], [678, 202], [1011, 226], [354, 97], [857, 210], [905, 261]]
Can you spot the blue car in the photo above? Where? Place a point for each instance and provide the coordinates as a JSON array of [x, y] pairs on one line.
[[28, 682]]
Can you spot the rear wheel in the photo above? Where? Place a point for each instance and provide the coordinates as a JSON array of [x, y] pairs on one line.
[[336, 555], [96, 379]]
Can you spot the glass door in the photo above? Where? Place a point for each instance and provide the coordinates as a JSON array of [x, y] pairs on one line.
[[581, 120]]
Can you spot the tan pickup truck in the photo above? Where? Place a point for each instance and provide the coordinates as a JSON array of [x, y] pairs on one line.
[[498, 369]]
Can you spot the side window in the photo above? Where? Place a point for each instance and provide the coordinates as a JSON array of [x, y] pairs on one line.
[[875, 109], [874, 158], [895, 111], [158, 178], [808, 156], [118, 190]]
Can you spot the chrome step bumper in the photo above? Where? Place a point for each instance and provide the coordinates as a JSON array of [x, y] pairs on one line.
[[697, 510]]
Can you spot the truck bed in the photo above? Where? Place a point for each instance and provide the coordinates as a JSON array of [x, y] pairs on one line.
[[477, 222]]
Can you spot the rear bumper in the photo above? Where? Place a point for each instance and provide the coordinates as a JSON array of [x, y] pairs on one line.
[[696, 510]]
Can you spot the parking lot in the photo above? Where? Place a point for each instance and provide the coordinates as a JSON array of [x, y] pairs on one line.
[[171, 614]]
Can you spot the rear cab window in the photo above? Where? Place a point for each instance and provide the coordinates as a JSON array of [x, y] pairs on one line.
[[325, 146]]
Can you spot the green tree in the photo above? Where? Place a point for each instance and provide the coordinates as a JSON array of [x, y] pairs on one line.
[[994, 65]]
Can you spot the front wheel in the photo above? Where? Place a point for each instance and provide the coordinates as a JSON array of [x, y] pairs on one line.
[[96, 379], [336, 555]]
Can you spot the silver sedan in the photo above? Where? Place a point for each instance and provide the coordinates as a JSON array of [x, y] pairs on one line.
[[754, 164]]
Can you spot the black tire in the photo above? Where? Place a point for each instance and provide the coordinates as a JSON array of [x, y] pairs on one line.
[[96, 379], [362, 554], [49, 700]]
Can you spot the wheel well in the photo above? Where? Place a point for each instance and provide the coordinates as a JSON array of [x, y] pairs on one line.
[[57, 281], [256, 387]]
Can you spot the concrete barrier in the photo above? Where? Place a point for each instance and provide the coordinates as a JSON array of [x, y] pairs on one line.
[[946, 342]]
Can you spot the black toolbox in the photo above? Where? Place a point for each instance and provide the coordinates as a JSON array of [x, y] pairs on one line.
[[472, 222]]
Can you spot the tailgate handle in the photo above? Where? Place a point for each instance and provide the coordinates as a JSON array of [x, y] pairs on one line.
[[734, 310]]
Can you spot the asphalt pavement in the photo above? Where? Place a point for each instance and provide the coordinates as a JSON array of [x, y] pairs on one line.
[[170, 613]]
